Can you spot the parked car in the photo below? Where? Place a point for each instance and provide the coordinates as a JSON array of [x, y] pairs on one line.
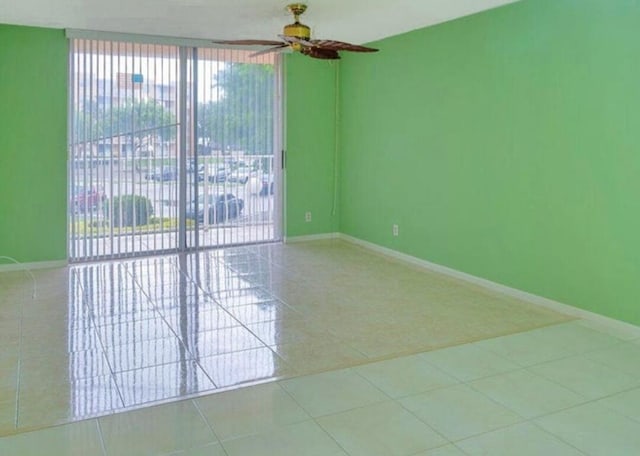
[[241, 172], [166, 173], [192, 165], [240, 176], [220, 207], [214, 175], [261, 184], [86, 198], [220, 175]]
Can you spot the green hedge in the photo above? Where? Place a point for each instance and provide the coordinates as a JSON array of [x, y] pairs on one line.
[[134, 209]]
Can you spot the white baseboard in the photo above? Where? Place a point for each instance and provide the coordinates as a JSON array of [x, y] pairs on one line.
[[312, 237], [612, 323], [31, 266]]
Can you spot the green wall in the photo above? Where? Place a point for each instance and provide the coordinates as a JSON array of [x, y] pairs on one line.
[[33, 142], [505, 145], [310, 137]]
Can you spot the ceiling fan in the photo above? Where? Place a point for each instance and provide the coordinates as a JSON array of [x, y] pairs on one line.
[[297, 36]]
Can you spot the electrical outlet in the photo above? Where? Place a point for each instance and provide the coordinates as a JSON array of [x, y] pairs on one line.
[[307, 217], [395, 230]]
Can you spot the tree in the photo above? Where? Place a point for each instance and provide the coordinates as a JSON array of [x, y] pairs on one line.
[[243, 117], [141, 123], [85, 127], [144, 121]]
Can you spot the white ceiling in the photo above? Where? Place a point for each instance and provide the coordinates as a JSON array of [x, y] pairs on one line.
[[356, 21]]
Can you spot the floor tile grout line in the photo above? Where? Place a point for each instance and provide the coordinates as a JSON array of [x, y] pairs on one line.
[[586, 401], [524, 418], [600, 402], [460, 449], [262, 341], [311, 417], [404, 396], [479, 344], [631, 388], [557, 437], [328, 434], [556, 382], [534, 420], [517, 368], [194, 402], [526, 366], [439, 447], [346, 369], [390, 400], [101, 437], [436, 431]]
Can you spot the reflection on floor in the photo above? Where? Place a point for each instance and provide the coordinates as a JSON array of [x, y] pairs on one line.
[[101, 338]]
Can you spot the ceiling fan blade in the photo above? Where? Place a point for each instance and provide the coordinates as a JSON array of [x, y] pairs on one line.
[[250, 42], [319, 53], [341, 46], [295, 39], [281, 47]]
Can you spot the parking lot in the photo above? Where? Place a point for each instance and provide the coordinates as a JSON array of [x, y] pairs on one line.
[[254, 223]]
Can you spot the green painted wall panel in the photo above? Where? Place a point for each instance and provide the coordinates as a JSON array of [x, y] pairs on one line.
[[33, 143], [505, 145], [310, 162]]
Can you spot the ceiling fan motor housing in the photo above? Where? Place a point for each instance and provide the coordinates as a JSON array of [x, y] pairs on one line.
[[297, 29]]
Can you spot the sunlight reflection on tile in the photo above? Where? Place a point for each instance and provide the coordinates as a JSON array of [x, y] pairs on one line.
[[221, 341], [146, 353], [134, 332], [244, 366], [190, 320], [162, 382], [242, 297], [263, 311]]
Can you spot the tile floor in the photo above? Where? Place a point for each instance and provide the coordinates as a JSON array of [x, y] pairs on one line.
[[338, 351]]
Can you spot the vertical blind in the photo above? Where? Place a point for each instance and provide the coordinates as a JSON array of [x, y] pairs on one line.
[[171, 148]]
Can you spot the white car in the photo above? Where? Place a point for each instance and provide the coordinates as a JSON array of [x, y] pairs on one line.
[[241, 174], [260, 184]]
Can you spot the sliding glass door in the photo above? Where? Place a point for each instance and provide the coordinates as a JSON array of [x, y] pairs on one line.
[[171, 148], [234, 199]]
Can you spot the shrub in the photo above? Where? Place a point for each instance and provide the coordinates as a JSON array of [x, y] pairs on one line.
[[132, 208]]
